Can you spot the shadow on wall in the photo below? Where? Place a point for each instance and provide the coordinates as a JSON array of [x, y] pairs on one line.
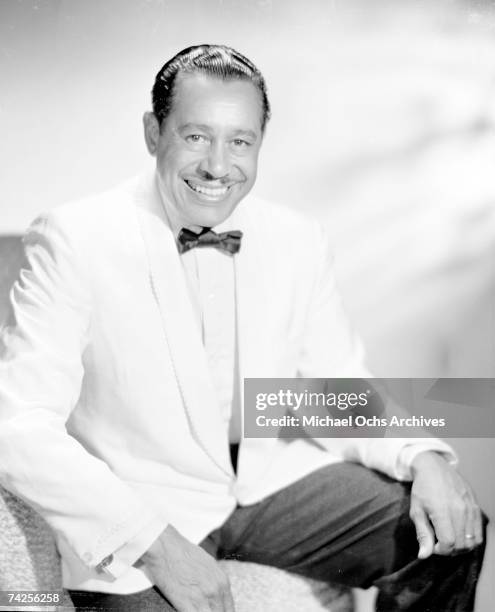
[[10, 257]]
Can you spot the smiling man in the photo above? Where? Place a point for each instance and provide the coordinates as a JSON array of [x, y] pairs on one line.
[[207, 150], [135, 319]]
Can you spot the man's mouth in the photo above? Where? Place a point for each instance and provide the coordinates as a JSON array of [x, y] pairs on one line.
[[211, 192]]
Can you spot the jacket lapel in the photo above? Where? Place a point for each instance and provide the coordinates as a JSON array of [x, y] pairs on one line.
[[181, 329], [255, 346]]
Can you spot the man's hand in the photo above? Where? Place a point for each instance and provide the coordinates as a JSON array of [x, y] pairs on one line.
[[443, 508], [188, 577]]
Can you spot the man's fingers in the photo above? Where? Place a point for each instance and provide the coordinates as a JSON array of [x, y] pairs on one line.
[[444, 502], [474, 525], [424, 532], [462, 524], [228, 600], [215, 591], [472, 528], [221, 600], [478, 525], [445, 533], [206, 593]]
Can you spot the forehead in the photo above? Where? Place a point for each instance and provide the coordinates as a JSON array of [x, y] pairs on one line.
[[207, 100]]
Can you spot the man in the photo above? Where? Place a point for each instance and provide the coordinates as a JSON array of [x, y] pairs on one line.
[[132, 327]]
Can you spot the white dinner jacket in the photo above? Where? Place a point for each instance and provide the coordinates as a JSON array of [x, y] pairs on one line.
[[109, 422]]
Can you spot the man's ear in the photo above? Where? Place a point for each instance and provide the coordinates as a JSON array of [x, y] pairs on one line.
[[151, 132]]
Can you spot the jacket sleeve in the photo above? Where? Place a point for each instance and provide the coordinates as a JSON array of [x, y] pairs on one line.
[[41, 370], [332, 349]]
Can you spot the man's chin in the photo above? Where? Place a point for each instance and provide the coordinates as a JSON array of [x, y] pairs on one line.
[[210, 217]]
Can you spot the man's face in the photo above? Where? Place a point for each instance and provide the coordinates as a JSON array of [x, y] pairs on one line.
[[207, 148]]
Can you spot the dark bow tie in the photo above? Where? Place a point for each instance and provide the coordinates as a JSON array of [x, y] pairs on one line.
[[229, 242]]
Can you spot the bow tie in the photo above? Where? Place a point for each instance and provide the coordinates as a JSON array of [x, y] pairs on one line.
[[230, 242]]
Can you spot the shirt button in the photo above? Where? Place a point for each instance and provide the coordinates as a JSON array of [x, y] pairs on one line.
[[211, 296], [87, 557]]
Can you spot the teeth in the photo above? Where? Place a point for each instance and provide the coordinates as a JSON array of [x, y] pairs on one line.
[[209, 191]]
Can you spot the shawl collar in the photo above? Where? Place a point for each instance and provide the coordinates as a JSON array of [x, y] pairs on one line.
[[181, 330]]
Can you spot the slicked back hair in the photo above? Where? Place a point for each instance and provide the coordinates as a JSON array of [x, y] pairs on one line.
[[214, 60]]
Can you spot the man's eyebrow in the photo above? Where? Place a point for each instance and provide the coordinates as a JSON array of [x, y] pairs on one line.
[[246, 134], [202, 127], [196, 126]]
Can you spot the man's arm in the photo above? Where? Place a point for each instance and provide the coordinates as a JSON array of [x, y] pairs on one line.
[[103, 521], [332, 349], [41, 371], [442, 503]]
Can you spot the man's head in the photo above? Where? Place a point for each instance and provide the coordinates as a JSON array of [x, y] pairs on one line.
[[210, 110]]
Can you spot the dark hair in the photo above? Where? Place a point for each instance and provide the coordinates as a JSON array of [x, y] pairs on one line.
[[214, 60]]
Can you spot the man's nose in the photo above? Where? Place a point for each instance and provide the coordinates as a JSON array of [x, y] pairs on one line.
[[216, 163]]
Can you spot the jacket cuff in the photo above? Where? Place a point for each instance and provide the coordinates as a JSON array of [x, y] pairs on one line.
[[413, 449], [118, 563]]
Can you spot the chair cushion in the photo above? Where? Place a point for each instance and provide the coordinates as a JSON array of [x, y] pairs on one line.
[[260, 587], [29, 561]]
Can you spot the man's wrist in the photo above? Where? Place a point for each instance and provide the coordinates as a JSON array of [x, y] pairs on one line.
[[425, 460], [155, 552], [148, 557]]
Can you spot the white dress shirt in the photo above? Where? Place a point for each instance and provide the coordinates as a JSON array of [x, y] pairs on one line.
[[210, 276]]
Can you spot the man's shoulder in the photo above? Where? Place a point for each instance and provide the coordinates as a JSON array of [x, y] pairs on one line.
[[93, 225], [94, 208], [109, 214]]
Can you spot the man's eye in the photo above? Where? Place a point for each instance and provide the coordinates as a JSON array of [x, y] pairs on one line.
[[195, 138], [239, 143]]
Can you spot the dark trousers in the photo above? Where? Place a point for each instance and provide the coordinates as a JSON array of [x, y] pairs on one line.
[[344, 524]]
